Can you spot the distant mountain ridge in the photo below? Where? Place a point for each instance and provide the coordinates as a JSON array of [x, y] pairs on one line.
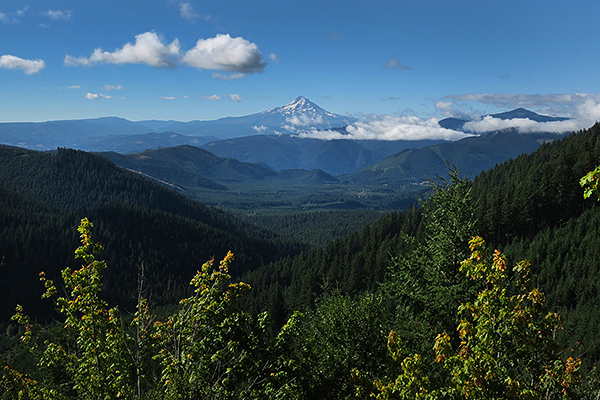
[[335, 157], [299, 113], [518, 113], [113, 133], [268, 138], [472, 155]]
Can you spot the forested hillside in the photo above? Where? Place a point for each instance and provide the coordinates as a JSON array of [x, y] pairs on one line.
[[139, 222], [533, 191], [531, 205], [472, 154], [416, 305]]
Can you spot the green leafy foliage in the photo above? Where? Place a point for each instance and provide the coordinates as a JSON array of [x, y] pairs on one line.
[[424, 279], [590, 182], [207, 349], [412, 383], [91, 359], [337, 336], [507, 348]]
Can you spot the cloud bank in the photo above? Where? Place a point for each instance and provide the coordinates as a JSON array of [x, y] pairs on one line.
[[387, 127], [221, 53], [582, 108], [29, 66], [523, 125]]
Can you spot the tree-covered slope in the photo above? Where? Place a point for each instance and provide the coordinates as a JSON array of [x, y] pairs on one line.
[[532, 200], [472, 155], [139, 221], [192, 168], [526, 194], [193, 160], [291, 152], [351, 265]]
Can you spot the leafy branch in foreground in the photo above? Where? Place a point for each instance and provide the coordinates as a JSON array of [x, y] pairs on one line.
[[591, 183], [207, 349], [507, 348]]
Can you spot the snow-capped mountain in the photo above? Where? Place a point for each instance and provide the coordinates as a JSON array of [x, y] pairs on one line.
[[301, 105], [297, 116], [301, 114]]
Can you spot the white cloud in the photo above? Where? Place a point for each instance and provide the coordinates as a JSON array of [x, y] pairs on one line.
[[387, 127], [214, 97], [71, 61], [221, 53], [523, 125], [589, 111], [57, 15], [260, 129], [108, 88], [227, 77], [148, 49], [96, 96], [451, 110], [29, 66], [75, 87], [236, 97], [12, 18], [274, 57], [515, 100], [224, 53], [582, 108], [305, 120], [22, 11], [394, 63], [168, 98], [187, 12]]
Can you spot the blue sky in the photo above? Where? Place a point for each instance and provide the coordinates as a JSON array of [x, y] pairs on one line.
[[381, 60]]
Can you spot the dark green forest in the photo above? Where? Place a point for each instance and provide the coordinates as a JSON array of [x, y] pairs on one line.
[[414, 305], [45, 195]]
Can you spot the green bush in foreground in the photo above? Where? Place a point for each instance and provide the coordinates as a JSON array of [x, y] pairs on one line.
[[207, 349]]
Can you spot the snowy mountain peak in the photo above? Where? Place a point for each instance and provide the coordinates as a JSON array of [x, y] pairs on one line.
[[301, 105]]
